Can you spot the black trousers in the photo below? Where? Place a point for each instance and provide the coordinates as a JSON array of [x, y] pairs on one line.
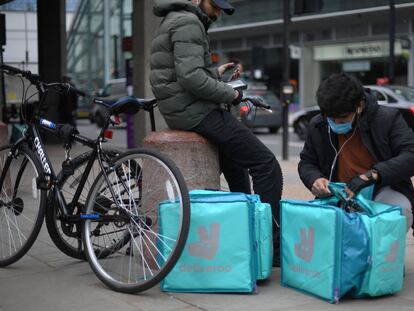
[[241, 151]]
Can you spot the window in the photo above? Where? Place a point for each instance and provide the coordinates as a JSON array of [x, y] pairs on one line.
[[231, 44], [257, 41], [378, 95], [392, 100]]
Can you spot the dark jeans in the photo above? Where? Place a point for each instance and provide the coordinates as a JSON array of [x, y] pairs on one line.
[[240, 150]]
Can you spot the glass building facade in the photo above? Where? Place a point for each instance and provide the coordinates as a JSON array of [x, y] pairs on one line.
[[339, 36], [31, 5], [254, 35], [252, 11], [95, 53]]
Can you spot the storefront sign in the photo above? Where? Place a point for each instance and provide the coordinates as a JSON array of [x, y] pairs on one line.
[[354, 50]]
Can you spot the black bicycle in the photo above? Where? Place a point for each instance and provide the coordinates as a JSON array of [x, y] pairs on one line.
[[119, 220]]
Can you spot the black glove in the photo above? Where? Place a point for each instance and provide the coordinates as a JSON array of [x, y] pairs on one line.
[[357, 183], [238, 99]]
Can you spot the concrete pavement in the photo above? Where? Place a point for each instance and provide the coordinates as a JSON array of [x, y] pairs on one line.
[[45, 279]]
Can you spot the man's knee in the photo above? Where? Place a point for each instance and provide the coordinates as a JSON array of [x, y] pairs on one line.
[[389, 196]]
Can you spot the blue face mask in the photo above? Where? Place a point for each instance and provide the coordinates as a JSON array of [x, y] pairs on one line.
[[340, 128]]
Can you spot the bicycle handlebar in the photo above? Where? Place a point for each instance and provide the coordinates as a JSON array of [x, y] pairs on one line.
[[35, 79], [256, 101], [15, 71]]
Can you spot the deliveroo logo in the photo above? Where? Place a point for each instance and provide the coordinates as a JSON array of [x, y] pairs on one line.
[[304, 249], [207, 245], [393, 253]]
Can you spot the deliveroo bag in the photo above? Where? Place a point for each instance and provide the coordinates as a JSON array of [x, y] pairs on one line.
[[219, 255], [329, 252], [263, 232], [264, 237], [324, 249], [386, 227], [386, 230]]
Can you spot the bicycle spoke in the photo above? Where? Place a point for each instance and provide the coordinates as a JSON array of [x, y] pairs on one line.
[[139, 256]]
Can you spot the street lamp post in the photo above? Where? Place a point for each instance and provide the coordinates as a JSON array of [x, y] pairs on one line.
[[391, 63], [286, 75]]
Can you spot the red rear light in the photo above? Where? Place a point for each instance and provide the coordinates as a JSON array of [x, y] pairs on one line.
[[412, 110], [108, 134], [244, 110]]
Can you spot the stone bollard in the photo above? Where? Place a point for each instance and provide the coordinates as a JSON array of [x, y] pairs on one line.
[[194, 155]]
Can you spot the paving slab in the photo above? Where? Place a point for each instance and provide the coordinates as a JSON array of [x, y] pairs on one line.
[[46, 279]]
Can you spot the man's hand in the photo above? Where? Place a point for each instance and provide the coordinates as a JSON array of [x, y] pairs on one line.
[[237, 97], [359, 182], [320, 188], [223, 68]]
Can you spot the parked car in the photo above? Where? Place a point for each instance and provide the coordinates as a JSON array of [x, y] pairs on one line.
[[257, 118], [302, 118], [112, 91], [399, 97]]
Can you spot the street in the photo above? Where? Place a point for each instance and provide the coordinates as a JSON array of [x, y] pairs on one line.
[[272, 141]]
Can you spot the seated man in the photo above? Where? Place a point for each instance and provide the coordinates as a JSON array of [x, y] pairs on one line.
[[190, 96], [356, 141]]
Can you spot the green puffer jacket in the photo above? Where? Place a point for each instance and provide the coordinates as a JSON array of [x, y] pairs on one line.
[[183, 78]]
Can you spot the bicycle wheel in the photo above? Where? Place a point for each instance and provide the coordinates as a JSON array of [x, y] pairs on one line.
[[22, 203], [67, 236], [122, 221]]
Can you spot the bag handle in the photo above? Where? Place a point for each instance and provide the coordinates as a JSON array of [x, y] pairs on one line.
[[349, 205]]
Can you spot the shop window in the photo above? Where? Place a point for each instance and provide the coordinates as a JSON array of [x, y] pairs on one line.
[[231, 44], [326, 34], [379, 29], [352, 31], [401, 26], [294, 37], [278, 39], [257, 41]]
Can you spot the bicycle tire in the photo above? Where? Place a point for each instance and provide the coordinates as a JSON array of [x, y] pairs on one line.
[[68, 236], [136, 218], [22, 204]]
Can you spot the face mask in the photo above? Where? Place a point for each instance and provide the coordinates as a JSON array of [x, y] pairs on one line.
[[341, 128]]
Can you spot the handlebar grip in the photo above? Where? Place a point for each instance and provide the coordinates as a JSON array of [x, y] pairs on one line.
[[25, 73], [11, 69], [76, 91], [258, 103]]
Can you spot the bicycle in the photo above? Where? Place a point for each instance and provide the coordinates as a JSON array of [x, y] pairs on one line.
[[119, 221], [66, 235]]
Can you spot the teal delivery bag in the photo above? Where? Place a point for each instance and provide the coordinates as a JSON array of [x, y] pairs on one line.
[[387, 229], [329, 246], [220, 252], [264, 237], [324, 249]]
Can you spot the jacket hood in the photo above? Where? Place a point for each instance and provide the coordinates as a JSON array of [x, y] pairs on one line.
[[163, 7]]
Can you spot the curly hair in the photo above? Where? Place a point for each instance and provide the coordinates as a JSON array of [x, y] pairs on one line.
[[339, 94]]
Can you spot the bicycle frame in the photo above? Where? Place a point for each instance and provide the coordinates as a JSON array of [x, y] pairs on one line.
[[48, 179]]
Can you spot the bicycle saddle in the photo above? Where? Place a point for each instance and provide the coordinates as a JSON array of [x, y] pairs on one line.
[[127, 104]]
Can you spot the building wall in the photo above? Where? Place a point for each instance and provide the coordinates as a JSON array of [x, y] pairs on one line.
[[355, 23], [21, 39]]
